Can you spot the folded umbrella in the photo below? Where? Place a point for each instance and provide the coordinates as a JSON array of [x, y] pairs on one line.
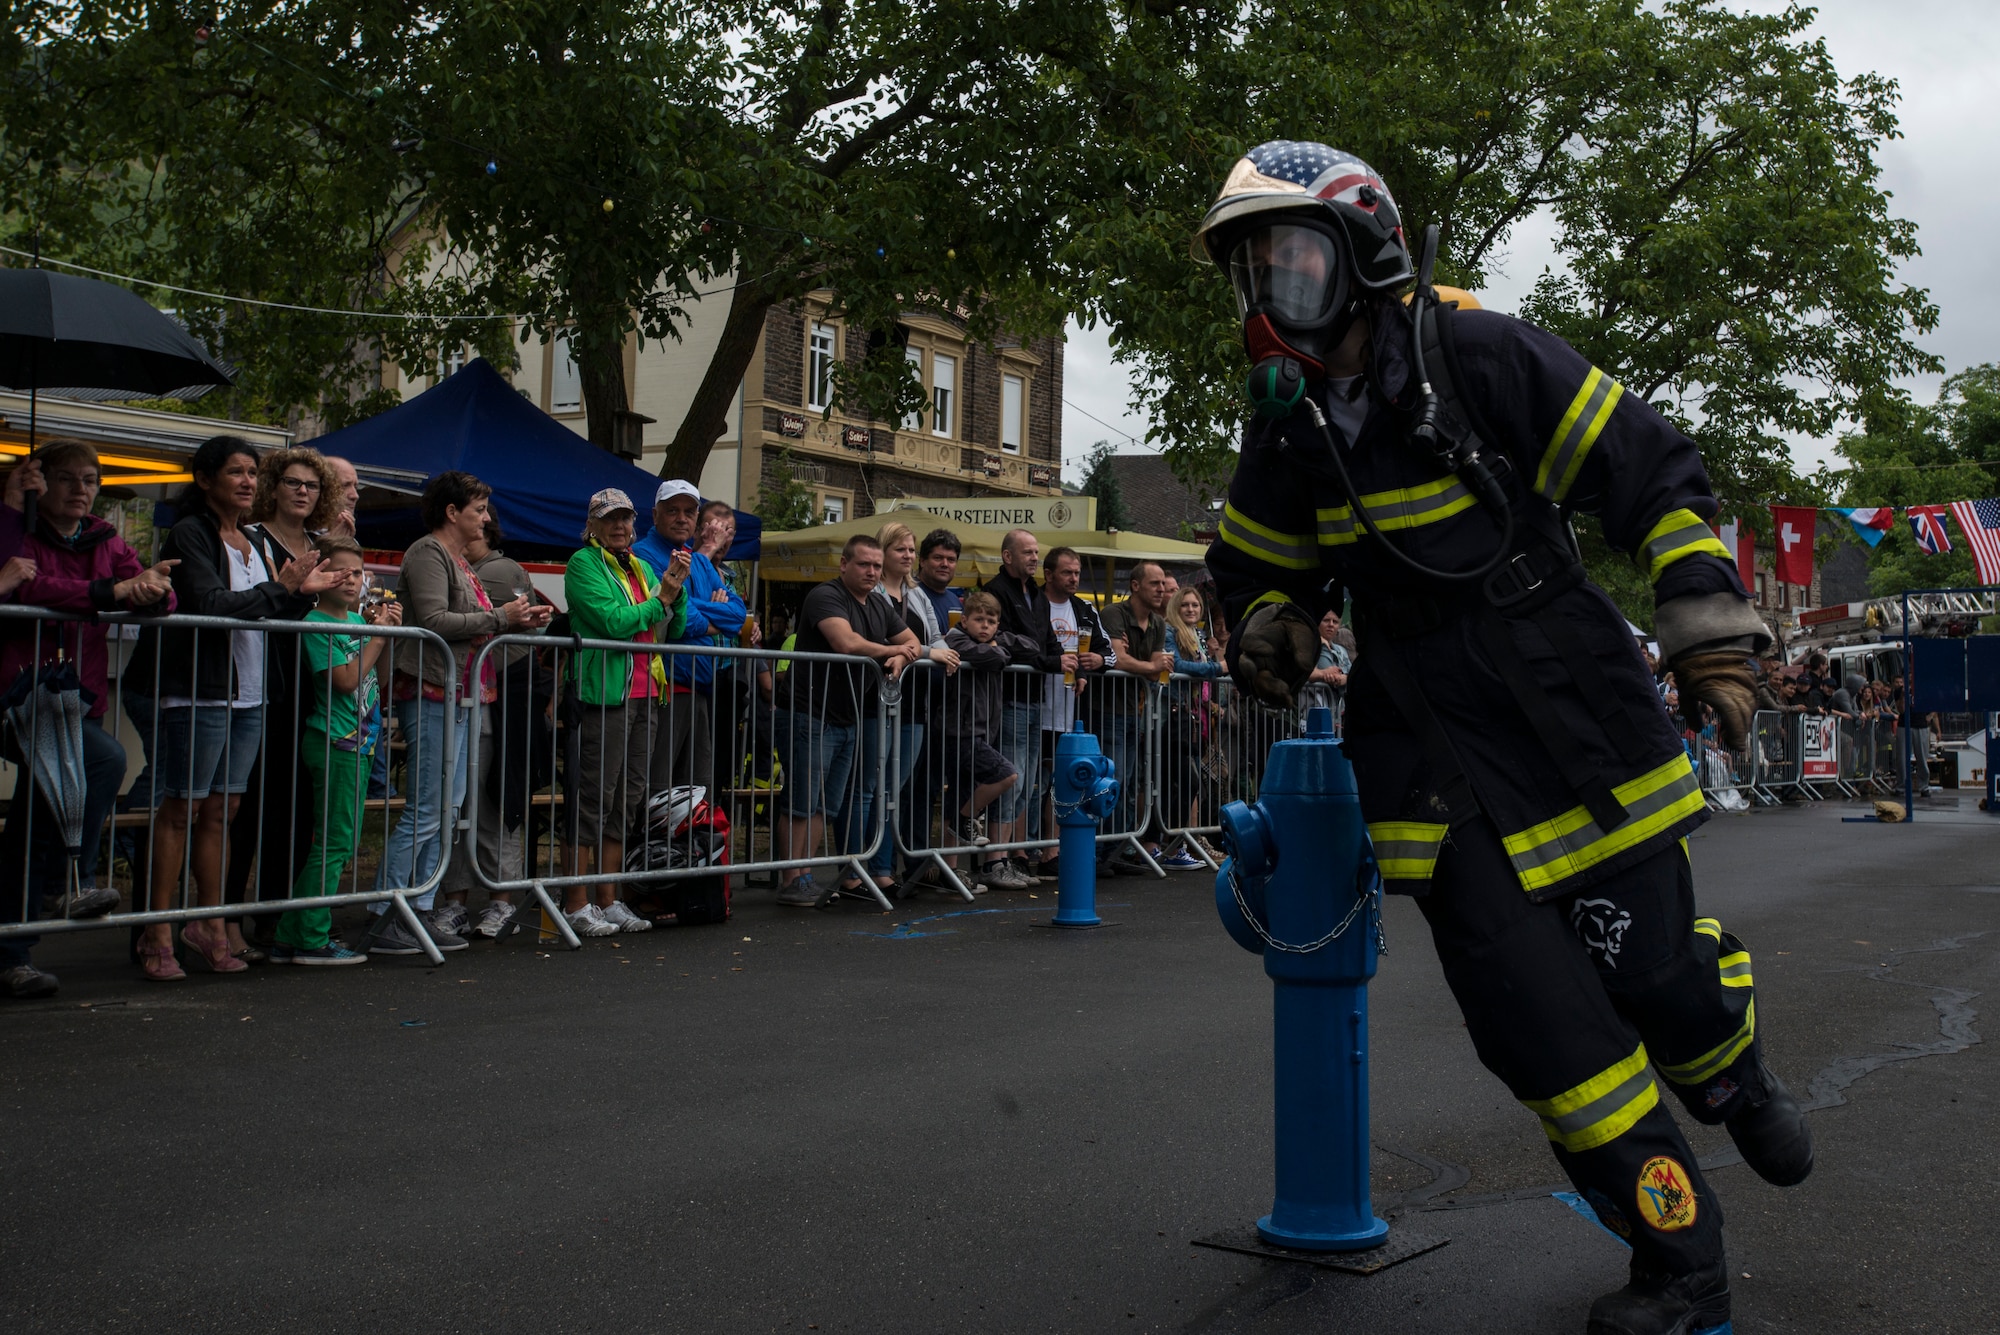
[[43, 714]]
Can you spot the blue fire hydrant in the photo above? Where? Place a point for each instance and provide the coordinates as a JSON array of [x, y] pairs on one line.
[[1086, 789], [1301, 889]]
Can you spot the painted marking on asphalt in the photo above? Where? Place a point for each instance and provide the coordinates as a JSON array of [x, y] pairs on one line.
[[907, 931]]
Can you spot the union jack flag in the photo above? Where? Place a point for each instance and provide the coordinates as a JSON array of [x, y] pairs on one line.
[[1981, 522], [1927, 522]]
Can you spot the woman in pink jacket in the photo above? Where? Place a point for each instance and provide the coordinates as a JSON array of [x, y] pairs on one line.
[[80, 565]]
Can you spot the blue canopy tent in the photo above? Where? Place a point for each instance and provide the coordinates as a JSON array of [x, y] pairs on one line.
[[541, 472]]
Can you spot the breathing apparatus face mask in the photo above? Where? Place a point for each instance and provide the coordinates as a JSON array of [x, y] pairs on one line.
[[1292, 287]]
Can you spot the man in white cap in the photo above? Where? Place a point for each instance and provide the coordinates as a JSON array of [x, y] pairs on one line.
[[684, 744]]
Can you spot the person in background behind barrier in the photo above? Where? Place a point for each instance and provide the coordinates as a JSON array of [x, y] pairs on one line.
[[432, 693], [1329, 674], [612, 596], [73, 561], [820, 706], [272, 834], [211, 691], [1030, 641], [341, 730], [714, 536], [684, 744], [1198, 657], [1070, 618], [1138, 631], [347, 496], [899, 590], [499, 850], [971, 712]]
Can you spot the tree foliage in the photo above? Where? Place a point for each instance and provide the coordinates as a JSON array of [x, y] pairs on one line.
[[1100, 480], [1727, 250]]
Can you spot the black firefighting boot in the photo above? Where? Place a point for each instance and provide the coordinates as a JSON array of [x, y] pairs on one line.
[[1770, 1131], [1696, 1303]]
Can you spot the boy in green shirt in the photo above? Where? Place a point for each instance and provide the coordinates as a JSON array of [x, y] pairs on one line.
[[338, 746]]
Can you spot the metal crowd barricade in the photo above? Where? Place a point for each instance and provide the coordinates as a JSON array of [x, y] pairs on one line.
[[1885, 757], [1721, 772], [572, 792], [955, 798], [1774, 756], [209, 858], [1214, 741], [1854, 749]]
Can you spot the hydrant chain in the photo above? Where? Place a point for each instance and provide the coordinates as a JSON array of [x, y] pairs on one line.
[[1257, 925]]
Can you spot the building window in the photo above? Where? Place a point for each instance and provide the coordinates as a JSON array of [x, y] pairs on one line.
[[451, 361], [1763, 590], [565, 377], [1013, 411], [915, 357], [820, 353], [832, 509], [944, 393]]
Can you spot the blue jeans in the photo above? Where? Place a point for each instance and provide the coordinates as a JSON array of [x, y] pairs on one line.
[[818, 759], [1020, 741], [1123, 748], [911, 740], [436, 781], [46, 863]]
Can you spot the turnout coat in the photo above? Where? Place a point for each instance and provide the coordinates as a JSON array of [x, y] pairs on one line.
[[1523, 697]]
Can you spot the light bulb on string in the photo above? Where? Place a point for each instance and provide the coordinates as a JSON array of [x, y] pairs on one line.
[[492, 167], [608, 206]]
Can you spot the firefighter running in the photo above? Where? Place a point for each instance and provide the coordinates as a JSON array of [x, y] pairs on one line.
[[1516, 768]]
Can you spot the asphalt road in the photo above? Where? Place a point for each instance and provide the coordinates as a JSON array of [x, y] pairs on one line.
[[946, 1120]]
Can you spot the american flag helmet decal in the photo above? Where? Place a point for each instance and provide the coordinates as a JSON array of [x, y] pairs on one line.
[[1302, 177]]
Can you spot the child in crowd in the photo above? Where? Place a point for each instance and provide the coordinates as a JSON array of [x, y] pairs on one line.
[[970, 717], [338, 746]]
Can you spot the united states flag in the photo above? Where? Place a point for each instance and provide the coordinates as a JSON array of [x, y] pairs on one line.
[[1981, 522]]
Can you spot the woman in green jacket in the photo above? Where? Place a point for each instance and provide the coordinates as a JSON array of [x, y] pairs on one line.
[[613, 597]]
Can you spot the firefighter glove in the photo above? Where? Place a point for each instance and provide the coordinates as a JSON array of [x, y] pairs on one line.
[[1275, 651], [1722, 681]]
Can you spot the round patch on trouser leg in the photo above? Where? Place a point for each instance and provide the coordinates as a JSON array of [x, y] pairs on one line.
[[1665, 1196]]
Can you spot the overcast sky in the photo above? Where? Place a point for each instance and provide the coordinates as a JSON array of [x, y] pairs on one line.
[[1944, 174]]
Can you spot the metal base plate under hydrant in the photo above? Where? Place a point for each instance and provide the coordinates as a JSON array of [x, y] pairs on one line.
[[1402, 1244]]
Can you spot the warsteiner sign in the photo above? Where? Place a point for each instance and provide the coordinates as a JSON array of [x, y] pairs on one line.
[[1075, 513]]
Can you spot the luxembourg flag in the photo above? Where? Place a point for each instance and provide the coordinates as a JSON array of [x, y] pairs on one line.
[[1871, 522]]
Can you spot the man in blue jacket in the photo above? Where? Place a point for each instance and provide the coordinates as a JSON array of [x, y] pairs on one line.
[[684, 737]]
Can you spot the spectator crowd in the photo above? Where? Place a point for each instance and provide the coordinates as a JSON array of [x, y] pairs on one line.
[[260, 749]]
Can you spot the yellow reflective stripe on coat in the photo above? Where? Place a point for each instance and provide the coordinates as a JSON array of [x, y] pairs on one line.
[[1708, 927], [1704, 1068], [1293, 551], [1404, 507], [1576, 433], [1555, 850], [1406, 850], [1678, 535], [1602, 1108]]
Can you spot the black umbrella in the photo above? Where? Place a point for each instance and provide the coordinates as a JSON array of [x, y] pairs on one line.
[[57, 329]]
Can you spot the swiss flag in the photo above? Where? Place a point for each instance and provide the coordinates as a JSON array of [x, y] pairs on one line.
[[1792, 534]]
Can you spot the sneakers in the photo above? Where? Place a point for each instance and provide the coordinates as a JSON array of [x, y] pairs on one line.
[[1181, 860], [389, 936], [803, 893], [1025, 870], [1771, 1132], [280, 953], [972, 829], [493, 920], [624, 919], [25, 980], [333, 952], [590, 921], [450, 918], [1002, 876], [90, 901], [1692, 1304]]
